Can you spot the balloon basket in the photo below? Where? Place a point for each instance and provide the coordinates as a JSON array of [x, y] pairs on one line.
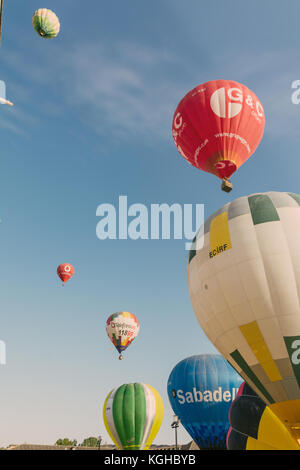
[[226, 185], [120, 357]]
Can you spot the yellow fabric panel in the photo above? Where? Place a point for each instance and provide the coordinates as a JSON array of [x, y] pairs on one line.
[[159, 413], [273, 431], [106, 423], [219, 236], [289, 413], [260, 349], [254, 444]]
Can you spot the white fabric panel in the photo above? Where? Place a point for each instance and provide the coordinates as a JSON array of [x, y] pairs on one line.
[[150, 409], [109, 417], [289, 324]]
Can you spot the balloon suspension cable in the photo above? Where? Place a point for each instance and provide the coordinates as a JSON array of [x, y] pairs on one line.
[[226, 185], [1, 14]]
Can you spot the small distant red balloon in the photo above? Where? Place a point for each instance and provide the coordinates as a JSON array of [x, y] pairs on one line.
[[65, 271]]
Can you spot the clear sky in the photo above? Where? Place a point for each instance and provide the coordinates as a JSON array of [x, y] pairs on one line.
[[92, 121]]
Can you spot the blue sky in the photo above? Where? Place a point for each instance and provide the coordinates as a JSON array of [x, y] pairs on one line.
[[92, 121]]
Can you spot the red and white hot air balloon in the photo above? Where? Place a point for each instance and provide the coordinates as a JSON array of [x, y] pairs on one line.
[[217, 126], [65, 271]]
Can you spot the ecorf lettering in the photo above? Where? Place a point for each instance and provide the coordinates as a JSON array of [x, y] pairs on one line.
[[218, 250], [197, 396]]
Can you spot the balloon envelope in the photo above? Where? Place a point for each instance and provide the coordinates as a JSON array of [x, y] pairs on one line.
[[132, 415], [244, 285], [122, 328], [201, 389], [218, 125], [65, 271], [46, 23]]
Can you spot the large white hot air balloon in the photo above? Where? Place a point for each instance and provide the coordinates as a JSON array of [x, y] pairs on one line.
[[244, 285]]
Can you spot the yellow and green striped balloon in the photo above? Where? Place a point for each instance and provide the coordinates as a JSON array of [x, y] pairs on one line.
[[132, 415], [46, 23], [244, 285]]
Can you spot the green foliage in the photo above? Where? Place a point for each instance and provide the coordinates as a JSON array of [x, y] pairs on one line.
[[90, 442], [66, 442]]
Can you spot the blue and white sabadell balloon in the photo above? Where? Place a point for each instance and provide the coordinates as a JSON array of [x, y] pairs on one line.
[[201, 390]]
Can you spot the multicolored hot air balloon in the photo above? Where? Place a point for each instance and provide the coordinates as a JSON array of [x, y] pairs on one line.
[[65, 271], [46, 23], [244, 285], [201, 389], [253, 426], [132, 415], [217, 126], [122, 328]]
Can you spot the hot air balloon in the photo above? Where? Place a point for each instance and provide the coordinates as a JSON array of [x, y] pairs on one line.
[[201, 389], [65, 271], [122, 328], [132, 415], [217, 126], [46, 23], [253, 426], [244, 285]]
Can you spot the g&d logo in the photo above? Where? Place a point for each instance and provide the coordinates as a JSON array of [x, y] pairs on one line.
[[228, 103]]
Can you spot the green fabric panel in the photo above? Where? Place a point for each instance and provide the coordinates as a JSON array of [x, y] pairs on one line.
[[45, 25], [293, 347], [262, 209], [140, 413], [296, 197], [129, 416], [192, 252], [238, 358], [118, 414]]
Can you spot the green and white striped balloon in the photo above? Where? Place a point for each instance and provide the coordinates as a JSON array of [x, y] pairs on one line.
[[132, 415], [46, 23]]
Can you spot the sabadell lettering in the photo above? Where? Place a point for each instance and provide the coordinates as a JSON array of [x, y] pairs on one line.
[[196, 396]]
